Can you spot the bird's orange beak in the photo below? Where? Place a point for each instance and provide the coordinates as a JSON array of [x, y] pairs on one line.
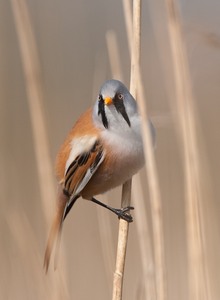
[[108, 100]]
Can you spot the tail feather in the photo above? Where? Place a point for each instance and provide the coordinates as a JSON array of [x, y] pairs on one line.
[[55, 231]]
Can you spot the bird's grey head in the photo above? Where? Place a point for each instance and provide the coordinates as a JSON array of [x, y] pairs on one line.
[[114, 104]]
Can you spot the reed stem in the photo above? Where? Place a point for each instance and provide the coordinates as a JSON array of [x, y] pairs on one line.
[[198, 279], [126, 190]]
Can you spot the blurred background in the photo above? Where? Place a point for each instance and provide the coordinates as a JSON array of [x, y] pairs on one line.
[[74, 61]]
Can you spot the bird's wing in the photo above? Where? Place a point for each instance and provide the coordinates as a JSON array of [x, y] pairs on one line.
[[79, 170]]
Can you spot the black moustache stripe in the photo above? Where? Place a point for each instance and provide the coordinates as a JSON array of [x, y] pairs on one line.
[[119, 105], [101, 110]]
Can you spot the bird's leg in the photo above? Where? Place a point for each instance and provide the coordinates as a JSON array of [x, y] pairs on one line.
[[120, 212]]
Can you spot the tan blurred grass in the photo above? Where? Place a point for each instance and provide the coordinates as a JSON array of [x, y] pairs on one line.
[[32, 72], [198, 279]]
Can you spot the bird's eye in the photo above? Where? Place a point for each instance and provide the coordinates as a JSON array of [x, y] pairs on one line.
[[100, 97], [120, 96]]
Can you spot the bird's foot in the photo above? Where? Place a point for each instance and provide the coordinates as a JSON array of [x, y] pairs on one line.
[[122, 213]]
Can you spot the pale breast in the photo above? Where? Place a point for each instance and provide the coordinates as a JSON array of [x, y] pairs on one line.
[[123, 158]]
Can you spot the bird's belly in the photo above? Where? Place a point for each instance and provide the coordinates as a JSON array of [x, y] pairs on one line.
[[118, 166]]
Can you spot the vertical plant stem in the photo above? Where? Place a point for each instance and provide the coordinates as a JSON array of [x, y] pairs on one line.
[[113, 54], [126, 190], [122, 245], [151, 288], [198, 279], [155, 198], [155, 201], [127, 8], [136, 47], [31, 68], [141, 222]]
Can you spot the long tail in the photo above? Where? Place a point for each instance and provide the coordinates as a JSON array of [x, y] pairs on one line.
[[55, 231]]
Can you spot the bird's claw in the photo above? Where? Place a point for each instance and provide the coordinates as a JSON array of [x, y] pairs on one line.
[[122, 213]]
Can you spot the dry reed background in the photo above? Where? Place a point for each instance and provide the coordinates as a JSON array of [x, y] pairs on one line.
[[73, 57]]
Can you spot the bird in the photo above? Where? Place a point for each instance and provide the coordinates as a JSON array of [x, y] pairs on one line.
[[103, 150]]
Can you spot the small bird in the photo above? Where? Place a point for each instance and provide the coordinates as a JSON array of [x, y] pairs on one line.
[[103, 150]]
